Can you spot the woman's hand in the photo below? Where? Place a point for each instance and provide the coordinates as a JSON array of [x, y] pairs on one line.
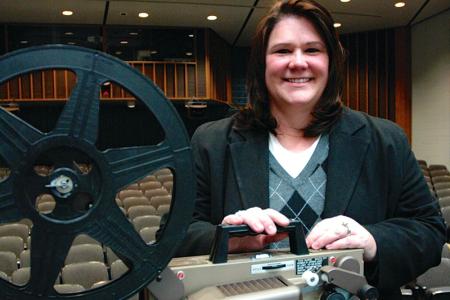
[[262, 221], [342, 233]]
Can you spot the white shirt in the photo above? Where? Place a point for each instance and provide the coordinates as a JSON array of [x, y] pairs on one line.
[[292, 162]]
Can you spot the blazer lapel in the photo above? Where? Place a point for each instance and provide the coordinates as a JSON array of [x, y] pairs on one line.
[[348, 144], [249, 156]]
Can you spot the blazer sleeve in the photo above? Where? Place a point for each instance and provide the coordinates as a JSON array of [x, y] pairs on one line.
[[410, 240], [207, 150]]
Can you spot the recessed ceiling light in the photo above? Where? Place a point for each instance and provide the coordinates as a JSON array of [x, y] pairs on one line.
[[400, 4], [118, 52], [133, 33], [71, 43], [211, 17], [143, 15], [24, 42], [68, 33], [123, 14], [345, 0], [153, 52], [124, 42], [189, 53], [336, 25], [67, 12], [191, 35]]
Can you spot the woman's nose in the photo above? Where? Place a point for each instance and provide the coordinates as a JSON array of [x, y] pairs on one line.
[[298, 60]]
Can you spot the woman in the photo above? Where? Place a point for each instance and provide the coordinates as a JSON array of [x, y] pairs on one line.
[[296, 153]]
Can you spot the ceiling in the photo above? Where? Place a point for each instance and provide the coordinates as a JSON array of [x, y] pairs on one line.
[[236, 21]]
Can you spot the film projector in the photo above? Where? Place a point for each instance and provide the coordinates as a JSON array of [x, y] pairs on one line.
[[293, 274]]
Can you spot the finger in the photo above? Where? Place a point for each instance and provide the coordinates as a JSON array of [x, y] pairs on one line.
[[233, 220], [268, 223], [251, 217], [277, 217], [329, 237]]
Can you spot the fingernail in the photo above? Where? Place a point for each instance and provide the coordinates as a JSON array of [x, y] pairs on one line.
[[271, 229]]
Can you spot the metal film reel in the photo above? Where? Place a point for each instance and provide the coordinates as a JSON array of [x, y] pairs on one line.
[[76, 131]]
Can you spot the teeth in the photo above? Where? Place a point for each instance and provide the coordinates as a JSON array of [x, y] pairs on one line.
[[299, 80]]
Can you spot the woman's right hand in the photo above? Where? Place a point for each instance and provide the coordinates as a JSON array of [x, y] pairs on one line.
[[259, 220]]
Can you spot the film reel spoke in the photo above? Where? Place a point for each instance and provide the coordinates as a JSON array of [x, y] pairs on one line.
[[49, 249], [79, 118], [8, 207], [116, 232], [16, 137], [130, 164]]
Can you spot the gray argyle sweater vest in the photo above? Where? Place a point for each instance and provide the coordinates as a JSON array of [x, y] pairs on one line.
[[301, 198]]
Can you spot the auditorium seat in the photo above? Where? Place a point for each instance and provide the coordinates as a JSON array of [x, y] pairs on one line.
[[141, 210], [437, 167], [165, 178], [156, 192], [85, 239], [21, 276], [129, 193], [443, 193], [111, 257], [146, 221], [436, 281], [442, 185], [84, 253], [99, 284], [46, 207], [164, 171], [444, 178], [444, 201], [24, 258], [133, 201], [156, 201], [4, 276], [13, 244], [168, 185], [446, 250], [118, 268], [8, 262], [133, 186], [150, 185], [148, 178], [422, 162], [15, 229], [439, 172], [148, 234], [84, 273], [67, 288], [162, 209]]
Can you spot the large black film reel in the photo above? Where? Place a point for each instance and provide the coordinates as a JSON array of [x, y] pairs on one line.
[[77, 129]]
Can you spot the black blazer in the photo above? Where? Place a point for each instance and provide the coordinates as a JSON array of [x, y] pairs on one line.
[[372, 177]]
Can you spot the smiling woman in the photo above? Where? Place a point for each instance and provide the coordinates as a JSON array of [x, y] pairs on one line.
[[350, 179]]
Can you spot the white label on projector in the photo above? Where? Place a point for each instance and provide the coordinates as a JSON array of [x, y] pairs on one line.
[[273, 267]]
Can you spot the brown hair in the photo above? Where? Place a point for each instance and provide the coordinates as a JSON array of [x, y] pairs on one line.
[[257, 114]]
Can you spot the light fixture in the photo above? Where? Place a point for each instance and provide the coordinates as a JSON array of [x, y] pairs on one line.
[[345, 1], [67, 12], [143, 15], [337, 25], [71, 43], [400, 4], [189, 53], [153, 52], [133, 33], [191, 35], [68, 33], [124, 42], [211, 17], [118, 52], [131, 104], [106, 83], [24, 42]]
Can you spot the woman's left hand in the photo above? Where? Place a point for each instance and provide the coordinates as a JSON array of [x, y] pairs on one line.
[[342, 232]]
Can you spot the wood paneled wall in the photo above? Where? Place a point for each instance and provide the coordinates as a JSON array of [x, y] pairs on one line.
[[378, 77]]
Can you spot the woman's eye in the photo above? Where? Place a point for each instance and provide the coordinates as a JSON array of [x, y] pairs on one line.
[[312, 50], [282, 51]]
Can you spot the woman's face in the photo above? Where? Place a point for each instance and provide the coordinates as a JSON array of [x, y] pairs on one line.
[[296, 64]]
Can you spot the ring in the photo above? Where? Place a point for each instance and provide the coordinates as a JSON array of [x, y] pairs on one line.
[[345, 224]]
